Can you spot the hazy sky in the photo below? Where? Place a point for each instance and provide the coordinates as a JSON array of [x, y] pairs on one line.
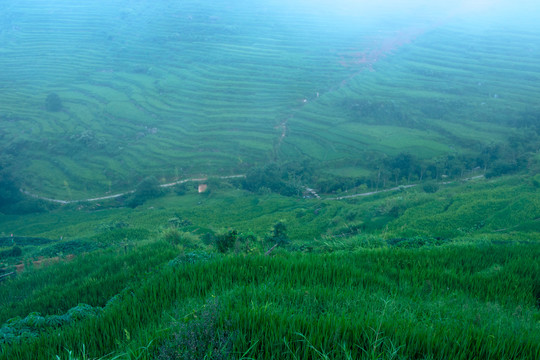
[[510, 11]]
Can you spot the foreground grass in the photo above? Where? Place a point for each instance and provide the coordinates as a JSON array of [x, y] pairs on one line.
[[448, 302]]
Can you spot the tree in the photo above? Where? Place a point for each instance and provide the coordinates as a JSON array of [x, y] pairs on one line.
[[147, 189], [403, 164], [9, 192], [278, 234], [225, 241], [53, 102]]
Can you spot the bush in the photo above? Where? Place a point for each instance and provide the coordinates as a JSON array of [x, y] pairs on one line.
[[177, 237], [430, 187], [201, 338], [247, 242], [15, 251], [272, 178], [53, 102], [226, 241], [9, 191], [536, 181], [182, 188], [500, 168], [278, 234], [147, 189]]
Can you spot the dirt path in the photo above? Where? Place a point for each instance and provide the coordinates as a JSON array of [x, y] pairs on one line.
[[124, 193], [395, 188], [372, 192], [308, 189]]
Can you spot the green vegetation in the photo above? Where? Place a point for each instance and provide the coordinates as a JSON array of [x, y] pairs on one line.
[[362, 303], [366, 193], [146, 189], [53, 102]]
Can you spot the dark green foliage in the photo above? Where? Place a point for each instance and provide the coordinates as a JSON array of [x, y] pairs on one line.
[[30, 205], [147, 189], [278, 234], [69, 247], [13, 201], [403, 165], [226, 241], [417, 242], [536, 181], [15, 251], [275, 178], [203, 337], [17, 330], [177, 237], [183, 188], [336, 184], [501, 167], [120, 234], [24, 240], [9, 191], [430, 187], [246, 242], [529, 120], [53, 102]]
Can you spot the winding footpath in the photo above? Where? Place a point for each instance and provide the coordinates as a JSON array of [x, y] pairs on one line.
[[308, 190], [124, 193]]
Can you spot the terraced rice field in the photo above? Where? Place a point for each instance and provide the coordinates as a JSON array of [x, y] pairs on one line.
[[178, 90]]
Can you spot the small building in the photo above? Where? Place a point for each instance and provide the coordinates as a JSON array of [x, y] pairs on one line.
[[202, 188]]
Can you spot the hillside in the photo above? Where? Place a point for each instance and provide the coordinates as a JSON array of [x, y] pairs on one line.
[[245, 180], [216, 90]]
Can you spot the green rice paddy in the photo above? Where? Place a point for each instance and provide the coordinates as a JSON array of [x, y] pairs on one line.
[[207, 90], [439, 264]]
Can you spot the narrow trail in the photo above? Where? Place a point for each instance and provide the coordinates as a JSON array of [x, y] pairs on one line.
[[307, 189], [400, 187], [372, 192], [359, 62], [124, 193]]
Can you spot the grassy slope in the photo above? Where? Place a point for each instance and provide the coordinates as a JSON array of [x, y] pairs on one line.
[[186, 95], [196, 94], [206, 90], [505, 208], [456, 301], [447, 100]]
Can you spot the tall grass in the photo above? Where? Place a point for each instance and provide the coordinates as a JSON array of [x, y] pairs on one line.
[[458, 302], [90, 278]]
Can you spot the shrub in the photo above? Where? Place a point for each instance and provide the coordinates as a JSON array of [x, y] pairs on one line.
[[182, 188], [430, 187], [201, 338], [226, 241], [247, 242], [147, 189], [278, 234], [501, 167], [53, 102], [9, 191], [15, 251], [177, 237], [536, 181]]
